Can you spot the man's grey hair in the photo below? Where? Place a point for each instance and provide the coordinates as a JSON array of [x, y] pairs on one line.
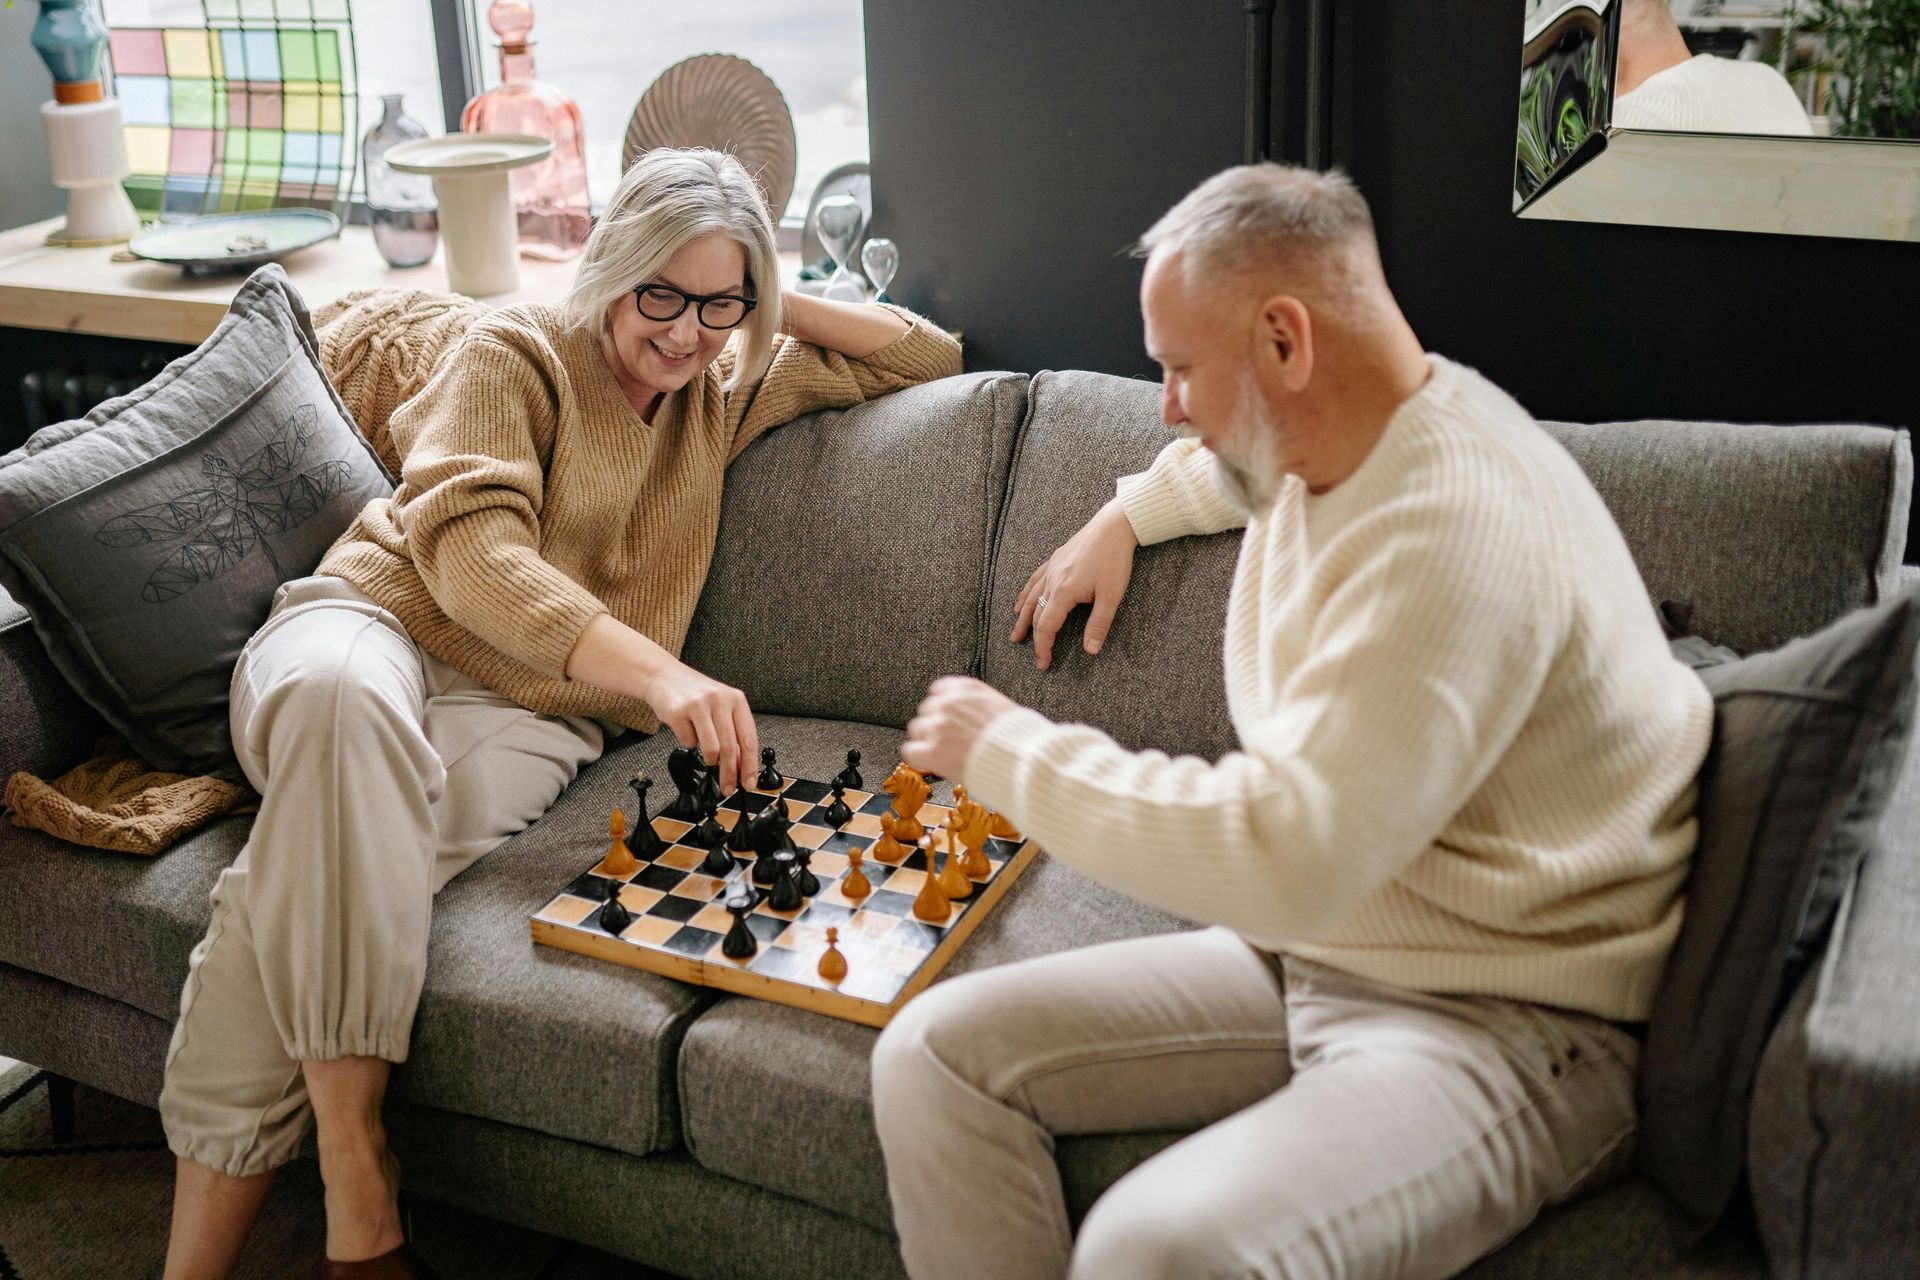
[[1256, 217], [667, 198]]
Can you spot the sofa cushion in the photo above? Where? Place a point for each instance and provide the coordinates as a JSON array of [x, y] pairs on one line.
[[147, 538], [1807, 749], [1770, 532], [1159, 681], [782, 1098], [845, 531]]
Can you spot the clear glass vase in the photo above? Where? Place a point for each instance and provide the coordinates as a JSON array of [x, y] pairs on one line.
[[401, 207], [550, 198]]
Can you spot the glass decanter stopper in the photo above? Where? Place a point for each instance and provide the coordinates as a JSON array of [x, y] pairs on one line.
[[550, 197]]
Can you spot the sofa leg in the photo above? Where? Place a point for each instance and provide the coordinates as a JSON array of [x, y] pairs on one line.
[[60, 1104]]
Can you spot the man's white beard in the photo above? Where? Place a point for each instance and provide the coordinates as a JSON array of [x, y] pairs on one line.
[[1250, 481]]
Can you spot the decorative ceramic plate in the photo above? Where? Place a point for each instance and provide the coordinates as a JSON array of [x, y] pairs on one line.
[[468, 155], [222, 241], [720, 101]]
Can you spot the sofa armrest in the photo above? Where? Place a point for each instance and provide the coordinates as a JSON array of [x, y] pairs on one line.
[[45, 728], [1836, 1108]]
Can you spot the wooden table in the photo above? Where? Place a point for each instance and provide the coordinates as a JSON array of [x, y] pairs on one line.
[[86, 291]]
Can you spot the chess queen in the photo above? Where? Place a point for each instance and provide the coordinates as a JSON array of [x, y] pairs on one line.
[[468, 645]]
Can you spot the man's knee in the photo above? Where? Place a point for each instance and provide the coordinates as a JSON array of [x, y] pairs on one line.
[[945, 1033], [1142, 1230]]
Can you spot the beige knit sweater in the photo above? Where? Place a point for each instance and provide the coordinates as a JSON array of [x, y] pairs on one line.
[[1467, 758], [533, 498]]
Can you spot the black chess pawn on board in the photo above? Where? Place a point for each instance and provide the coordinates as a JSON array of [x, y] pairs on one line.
[[765, 871], [643, 841], [809, 882], [769, 779], [786, 883], [709, 834], [686, 768], [850, 776], [740, 839], [719, 863], [614, 916], [839, 814], [739, 944]]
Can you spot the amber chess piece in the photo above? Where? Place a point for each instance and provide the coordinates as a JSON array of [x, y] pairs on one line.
[[972, 820], [909, 790], [932, 903], [1001, 829], [953, 878], [833, 965], [855, 884], [619, 861], [888, 847]]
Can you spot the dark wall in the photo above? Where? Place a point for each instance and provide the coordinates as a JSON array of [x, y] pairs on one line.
[[1019, 145]]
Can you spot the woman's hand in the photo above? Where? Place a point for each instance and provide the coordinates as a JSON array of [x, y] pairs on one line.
[[704, 713], [1092, 567]]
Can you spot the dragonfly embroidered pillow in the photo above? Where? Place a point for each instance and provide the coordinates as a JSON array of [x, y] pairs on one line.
[[147, 538]]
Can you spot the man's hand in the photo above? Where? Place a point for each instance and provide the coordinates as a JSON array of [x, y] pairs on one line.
[[951, 718], [704, 713], [1093, 567]]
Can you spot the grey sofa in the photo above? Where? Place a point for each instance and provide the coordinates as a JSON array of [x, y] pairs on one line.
[[863, 554]]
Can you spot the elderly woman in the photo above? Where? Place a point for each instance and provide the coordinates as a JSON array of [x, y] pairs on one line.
[[465, 648]]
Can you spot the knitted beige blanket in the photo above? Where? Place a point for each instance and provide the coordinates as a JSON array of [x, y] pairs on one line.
[[379, 347]]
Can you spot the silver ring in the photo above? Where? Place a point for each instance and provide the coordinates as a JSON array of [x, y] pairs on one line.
[[1041, 603]]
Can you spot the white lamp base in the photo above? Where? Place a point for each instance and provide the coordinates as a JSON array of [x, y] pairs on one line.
[[87, 153]]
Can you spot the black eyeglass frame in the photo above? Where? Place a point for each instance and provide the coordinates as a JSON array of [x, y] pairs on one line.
[[699, 299]]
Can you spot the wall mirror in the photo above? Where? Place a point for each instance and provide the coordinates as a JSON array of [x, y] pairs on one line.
[[1799, 117]]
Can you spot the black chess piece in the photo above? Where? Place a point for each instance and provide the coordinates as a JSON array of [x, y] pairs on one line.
[[614, 916], [769, 779], [709, 787], [709, 834], [719, 863], [849, 777], [686, 768], [740, 839], [765, 872], [739, 944], [839, 814], [809, 882], [786, 887], [642, 840], [774, 826]]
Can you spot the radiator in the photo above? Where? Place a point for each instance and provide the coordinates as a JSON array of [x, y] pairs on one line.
[[57, 394]]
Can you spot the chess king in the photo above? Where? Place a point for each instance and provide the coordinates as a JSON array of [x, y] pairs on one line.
[[467, 645], [1443, 870]]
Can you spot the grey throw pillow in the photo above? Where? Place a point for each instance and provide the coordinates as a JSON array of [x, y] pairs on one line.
[[147, 538], [1808, 742]]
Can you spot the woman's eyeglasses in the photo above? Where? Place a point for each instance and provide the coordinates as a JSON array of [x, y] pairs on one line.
[[716, 310]]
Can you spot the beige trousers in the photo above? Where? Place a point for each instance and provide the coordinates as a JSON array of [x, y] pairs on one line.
[[383, 773], [1345, 1128]]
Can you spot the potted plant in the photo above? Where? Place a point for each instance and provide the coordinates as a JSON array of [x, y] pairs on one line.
[[1871, 51]]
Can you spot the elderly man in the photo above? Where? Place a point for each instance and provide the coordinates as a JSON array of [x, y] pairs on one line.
[[1444, 868]]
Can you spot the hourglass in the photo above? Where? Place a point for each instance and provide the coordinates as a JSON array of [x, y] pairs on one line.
[[881, 260], [838, 221]]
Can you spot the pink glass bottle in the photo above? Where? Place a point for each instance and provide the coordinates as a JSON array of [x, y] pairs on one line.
[[550, 197]]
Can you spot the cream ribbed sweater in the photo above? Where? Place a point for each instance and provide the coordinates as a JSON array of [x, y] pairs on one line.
[[1467, 759], [533, 498]]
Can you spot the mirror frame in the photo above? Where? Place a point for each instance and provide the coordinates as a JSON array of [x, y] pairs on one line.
[[1591, 170]]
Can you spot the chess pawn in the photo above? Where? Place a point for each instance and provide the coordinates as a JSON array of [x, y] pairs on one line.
[[803, 873], [888, 847], [614, 916], [833, 965], [953, 880], [931, 903], [619, 861], [1001, 829], [855, 884], [741, 838], [769, 779], [786, 884], [766, 871], [838, 814], [643, 841], [739, 944], [849, 777]]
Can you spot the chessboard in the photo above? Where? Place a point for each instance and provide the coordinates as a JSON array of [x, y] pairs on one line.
[[679, 917]]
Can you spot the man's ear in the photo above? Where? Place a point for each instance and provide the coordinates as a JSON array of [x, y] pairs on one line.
[[1286, 340]]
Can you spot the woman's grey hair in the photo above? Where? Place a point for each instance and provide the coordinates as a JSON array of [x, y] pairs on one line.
[[1252, 218], [667, 198]]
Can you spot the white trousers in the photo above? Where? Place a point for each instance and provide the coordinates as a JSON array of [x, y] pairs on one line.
[[1345, 1128], [383, 773]]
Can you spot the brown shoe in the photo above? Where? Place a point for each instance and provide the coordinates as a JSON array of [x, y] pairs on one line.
[[395, 1264]]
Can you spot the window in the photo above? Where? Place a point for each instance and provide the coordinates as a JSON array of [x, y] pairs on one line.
[[604, 54]]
